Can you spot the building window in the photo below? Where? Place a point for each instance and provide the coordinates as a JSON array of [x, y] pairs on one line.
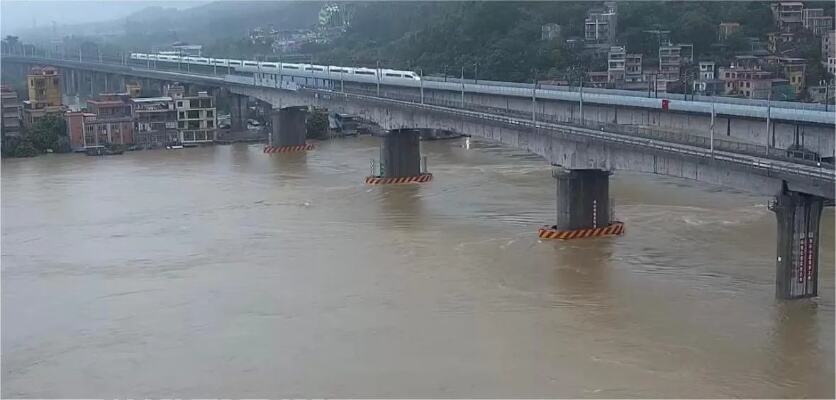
[[210, 124], [179, 104], [209, 114], [181, 124], [181, 115], [194, 114]]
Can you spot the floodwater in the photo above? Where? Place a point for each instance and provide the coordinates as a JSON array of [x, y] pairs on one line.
[[222, 271]]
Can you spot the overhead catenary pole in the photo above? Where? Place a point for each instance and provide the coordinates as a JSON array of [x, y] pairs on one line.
[[377, 72], [421, 82], [768, 115], [462, 86], [713, 116]]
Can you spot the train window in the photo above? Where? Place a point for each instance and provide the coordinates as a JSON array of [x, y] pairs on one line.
[[338, 70], [395, 75], [252, 64], [235, 62], [313, 69], [269, 65], [289, 67], [363, 73], [219, 62]]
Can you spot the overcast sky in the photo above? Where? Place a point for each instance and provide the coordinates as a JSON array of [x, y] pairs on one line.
[[23, 14]]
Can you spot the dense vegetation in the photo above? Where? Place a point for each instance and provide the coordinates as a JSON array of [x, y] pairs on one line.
[[47, 134], [502, 39]]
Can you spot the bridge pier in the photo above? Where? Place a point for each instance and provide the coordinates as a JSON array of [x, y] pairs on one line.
[[797, 264], [238, 112], [288, 130], [400, 159], [583, 205]]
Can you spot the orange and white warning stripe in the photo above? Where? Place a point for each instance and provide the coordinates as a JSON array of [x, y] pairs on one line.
[[376, 180], [614, 229], [287, 149]]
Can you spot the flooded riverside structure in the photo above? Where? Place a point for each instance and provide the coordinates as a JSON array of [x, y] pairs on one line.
[[222, 271]]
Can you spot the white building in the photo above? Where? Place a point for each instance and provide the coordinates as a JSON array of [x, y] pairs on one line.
[[196, 118]]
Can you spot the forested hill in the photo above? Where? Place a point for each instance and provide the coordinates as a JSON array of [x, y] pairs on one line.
[[503, 38]]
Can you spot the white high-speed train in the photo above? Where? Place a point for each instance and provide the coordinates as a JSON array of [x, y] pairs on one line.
[[266, 67]]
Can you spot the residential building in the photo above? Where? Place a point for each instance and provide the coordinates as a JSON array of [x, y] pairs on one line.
[[196, 118], [600, 25], [734, 77], [831, 65], [794, 69], [133, 89], [670, 61], [79, 128], [726, 29], [822, 93], [828, 45], [780, 42], [815, 21], [597, 79], [633, 67], [708, 87], [707, 70], [615, 64], [10, 124], [549, 31], [175, 91], [155, 121], [112, 122], [788, 15], [44, 86], [187, 49]]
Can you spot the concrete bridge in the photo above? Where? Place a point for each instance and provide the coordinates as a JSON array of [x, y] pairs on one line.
[[742, 146]]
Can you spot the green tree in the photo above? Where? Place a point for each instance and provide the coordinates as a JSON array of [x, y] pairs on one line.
[[49, 132], [316, 125], [24, 148]]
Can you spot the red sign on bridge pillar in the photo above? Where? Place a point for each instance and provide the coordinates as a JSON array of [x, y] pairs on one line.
[[665, 104]]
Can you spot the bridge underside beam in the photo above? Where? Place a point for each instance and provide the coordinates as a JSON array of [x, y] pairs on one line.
[[797, 265]]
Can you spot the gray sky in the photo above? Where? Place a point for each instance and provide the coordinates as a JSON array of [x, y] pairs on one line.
[[16, 15]]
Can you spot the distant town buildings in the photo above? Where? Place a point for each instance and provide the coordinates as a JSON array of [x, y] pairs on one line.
[[550, 31], [788, 15], [44, 84], [155, 121], [601, 25], [726, 29], [10, 118], [815, 21], [196, 118]]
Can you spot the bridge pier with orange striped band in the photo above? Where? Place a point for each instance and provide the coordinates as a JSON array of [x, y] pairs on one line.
[[551, 232], [288, 149], [583, 206], [401, 160], [288, 133], [381, 180]]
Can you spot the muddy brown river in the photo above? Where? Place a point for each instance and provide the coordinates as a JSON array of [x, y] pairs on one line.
[[222, 271]]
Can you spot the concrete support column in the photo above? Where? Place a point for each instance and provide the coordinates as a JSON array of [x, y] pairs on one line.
[[288, 126], [238, 112], [797, 265], [400, 155], [583, 198]]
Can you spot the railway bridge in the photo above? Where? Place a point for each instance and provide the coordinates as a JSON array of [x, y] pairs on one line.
[[587, 136]]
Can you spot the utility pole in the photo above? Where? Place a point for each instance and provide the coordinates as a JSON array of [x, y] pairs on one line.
[[768, 115], [462, 87], [713, 114], [421, 82], [580, 110], [476, 73], [378, 78], [534, 101]]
